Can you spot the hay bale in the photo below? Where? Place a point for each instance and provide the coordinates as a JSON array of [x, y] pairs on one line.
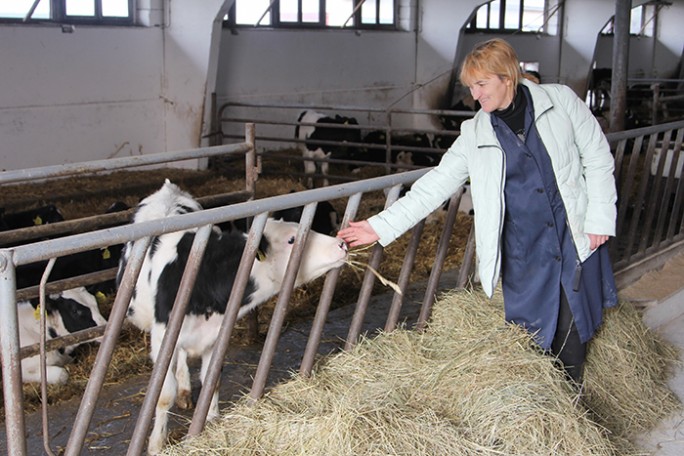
[[470, 384], [626, 369]]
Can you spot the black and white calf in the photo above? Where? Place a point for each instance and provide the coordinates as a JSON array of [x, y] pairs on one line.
[[326, 220], [31, 217], [408, 149], [327, 128], [66, 312], [163, 267]]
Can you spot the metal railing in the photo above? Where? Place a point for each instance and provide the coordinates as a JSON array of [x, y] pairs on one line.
[[648, 173], [656, 232]]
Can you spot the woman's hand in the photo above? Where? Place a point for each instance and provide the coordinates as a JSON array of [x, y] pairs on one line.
[[358, 233], [597, 240]]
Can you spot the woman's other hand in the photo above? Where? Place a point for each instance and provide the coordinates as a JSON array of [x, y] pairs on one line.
[[597, 240]]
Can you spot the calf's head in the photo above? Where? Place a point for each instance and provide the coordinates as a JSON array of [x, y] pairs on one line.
[[321, 253], [71, 311]]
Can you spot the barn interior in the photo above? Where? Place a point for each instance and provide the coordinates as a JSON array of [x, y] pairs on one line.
[[87, 85]]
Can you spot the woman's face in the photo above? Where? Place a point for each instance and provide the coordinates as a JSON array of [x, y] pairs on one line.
[[492, 91]]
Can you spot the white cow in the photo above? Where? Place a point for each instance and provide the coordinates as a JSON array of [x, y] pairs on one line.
[[163, 267]]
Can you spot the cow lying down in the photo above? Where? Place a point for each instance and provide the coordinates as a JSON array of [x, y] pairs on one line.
[[160, 276], [66, 312]]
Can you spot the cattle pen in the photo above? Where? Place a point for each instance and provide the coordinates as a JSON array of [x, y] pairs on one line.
[[650, 229]]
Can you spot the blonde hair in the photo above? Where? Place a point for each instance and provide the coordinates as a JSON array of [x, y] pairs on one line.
[[491, 57]]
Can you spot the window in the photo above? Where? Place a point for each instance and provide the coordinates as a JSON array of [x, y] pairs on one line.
[[509, 16], [351, 14], [641, 23], [68, 11]]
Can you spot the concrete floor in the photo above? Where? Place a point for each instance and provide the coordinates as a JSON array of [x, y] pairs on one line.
[[665, 314]]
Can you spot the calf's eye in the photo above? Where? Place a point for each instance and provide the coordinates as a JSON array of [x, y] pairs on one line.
[[291, 240]]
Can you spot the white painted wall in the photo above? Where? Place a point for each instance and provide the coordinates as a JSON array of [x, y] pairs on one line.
[[105, 92], [70, 97]]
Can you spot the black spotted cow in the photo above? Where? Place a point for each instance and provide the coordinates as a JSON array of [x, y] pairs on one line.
[[66, 312], [464, 109], [31, 217], [75, 264], [163, 267], [326, 128], [407, 149], [326, 220]]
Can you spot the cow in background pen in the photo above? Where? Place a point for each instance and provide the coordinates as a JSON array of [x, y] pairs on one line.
[[315, 139]]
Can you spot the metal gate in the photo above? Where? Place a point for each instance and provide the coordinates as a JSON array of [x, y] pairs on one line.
[[648, 169]]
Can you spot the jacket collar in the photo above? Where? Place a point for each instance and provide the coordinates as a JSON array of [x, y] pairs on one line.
[[484, 133]]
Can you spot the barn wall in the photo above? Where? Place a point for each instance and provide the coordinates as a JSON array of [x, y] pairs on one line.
[[104, 92], [68, 97]]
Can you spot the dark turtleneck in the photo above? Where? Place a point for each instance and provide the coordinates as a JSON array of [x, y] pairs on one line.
[[514, 114]]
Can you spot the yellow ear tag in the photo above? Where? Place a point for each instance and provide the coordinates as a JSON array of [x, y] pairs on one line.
[[36, 312], [106, 254], [261, 256], [100, 297], [37, 220]]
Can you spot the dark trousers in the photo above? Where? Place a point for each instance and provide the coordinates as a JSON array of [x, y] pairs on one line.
[[566, 345]]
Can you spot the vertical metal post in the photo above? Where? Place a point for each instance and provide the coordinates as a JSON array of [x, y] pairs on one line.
[[252, 163], [314, 340], [440, 257], [278, 317], [404, 275], [367, 284], [107, 346], [11, 363], [618, 83], [210, 382], [168, 345]]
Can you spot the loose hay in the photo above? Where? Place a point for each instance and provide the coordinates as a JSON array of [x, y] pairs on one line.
[[470, 384], [625, 373]]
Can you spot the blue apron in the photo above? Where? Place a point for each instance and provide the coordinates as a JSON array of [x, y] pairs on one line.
[[539, 258]]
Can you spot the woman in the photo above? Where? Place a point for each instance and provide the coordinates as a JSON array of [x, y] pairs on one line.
[[543, 192]]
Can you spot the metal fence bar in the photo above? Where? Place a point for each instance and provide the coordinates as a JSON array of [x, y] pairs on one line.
[[314, 340], [368, 281], [160, 371], [211, 380], [278, 317], [11, 363], [70, 169], [404, 275], [674, 165], [107, 346], [440, 257]]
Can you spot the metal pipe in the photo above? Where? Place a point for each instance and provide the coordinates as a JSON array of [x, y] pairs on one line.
[[211, 380], [44, 250], [404, 275], [104, 354], [618, 85], [86, 224], [278, 317], [367, 284], [95, 166], [168, 348], [318, 323], [43, 359], [11, 363], [442, 248]]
